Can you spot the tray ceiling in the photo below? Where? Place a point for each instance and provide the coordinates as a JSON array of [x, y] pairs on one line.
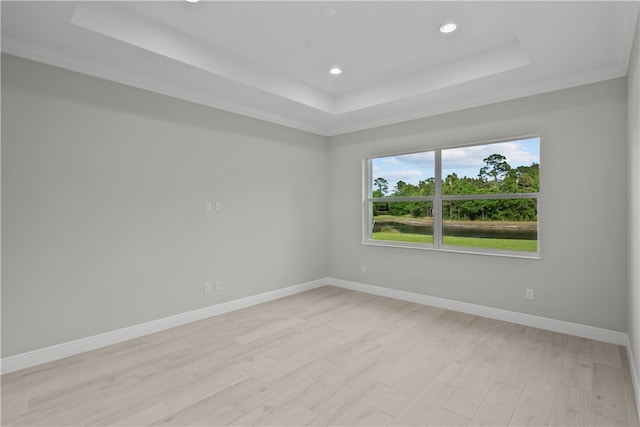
[[270, 60]]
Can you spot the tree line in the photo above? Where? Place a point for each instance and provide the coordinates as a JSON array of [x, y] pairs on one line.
[[495, 177]]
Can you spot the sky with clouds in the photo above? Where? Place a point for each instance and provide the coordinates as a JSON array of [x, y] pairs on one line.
[[464, 161]]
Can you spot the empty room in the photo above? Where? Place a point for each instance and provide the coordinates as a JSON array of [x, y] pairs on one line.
[[374, 213]]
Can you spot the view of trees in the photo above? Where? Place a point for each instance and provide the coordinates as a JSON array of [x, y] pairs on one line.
[[495, 177]]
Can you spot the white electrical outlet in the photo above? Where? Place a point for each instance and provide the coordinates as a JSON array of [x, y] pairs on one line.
[[218, 286], [207, 288], [363, 269], [208, 206], [218, 206], [528, 293]]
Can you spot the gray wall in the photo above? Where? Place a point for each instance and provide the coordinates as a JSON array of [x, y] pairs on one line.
[[582, 274], [103, 195], [103, 220], [633, 135]]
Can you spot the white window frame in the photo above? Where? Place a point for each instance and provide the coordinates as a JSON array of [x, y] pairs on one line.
[[437, 199]]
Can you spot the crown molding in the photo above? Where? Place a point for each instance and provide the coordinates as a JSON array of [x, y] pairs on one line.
[[628, 18], [84, 66]]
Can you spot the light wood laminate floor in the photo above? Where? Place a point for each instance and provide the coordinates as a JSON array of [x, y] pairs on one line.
[[332, 357]]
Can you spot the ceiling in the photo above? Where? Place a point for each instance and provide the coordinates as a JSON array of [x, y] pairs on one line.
[[270, 60]]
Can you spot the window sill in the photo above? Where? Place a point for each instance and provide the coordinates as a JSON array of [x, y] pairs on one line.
[[454, 249]]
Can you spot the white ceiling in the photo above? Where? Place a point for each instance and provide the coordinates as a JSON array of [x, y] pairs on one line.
[[270, 60]]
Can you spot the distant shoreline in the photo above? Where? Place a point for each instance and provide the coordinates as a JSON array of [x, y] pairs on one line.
[[427, 222]]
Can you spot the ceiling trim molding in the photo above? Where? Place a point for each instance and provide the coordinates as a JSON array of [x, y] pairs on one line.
[[377, 114], [628, 17], [58, 59], [524, 92], [61, 60]]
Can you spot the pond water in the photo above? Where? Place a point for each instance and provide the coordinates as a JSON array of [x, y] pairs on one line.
[[467, 230]]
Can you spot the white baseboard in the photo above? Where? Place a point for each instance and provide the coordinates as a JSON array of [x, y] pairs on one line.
[[599, 334], [634, 375], [59, 351]]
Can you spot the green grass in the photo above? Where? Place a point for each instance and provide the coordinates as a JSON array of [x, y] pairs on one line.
[[471, 242], [503, 244], [394, 236]]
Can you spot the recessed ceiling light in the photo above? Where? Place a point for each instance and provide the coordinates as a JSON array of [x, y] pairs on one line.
[[193, 1], [335, 71], [449, 27]]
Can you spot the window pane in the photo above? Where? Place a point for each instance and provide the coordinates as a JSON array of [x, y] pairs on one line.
[[410, 222], [404, 175], [505, 167], [505, 224]]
